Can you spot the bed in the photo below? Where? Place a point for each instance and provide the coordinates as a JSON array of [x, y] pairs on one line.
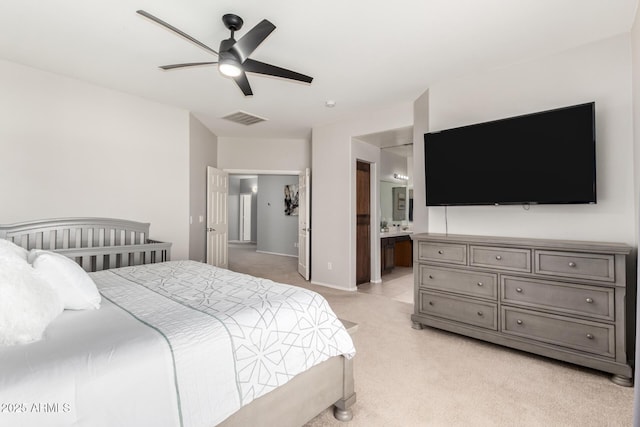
[[174, 342]]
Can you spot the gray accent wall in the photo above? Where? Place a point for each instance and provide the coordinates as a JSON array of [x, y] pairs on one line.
[[277, 233]]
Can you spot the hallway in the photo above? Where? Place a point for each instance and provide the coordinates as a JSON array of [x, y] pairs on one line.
[[243, 258]]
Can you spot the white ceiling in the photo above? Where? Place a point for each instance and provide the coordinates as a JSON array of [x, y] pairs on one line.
[[397, 141], [364, 54]]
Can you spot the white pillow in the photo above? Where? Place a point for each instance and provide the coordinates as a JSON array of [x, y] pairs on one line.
[[27, 303], [9, 249], [74, 286]]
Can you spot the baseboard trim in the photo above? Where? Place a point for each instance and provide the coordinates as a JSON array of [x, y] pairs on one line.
[[276, 253], [314, 282]]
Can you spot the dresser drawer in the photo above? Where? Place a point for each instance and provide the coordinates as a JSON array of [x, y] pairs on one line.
[[449, 307], [512, 259], [591, 337], [442, 252], [575, 264], [567, 298], [483, 285]]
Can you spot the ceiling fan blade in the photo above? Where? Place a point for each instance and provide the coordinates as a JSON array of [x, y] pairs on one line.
[[251, 40], [188, 64], [175, 30], [261, 68], [243, 83]]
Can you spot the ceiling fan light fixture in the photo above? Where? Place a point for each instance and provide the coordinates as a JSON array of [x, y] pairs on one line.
[[229, 67]]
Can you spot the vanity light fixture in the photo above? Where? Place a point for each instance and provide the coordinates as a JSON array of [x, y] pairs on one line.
[[398, 176]]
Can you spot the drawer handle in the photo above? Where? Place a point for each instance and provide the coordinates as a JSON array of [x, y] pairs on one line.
[[589, 300], [590, 336], [440, 251], [480, 313], [498, 257], [480, 284], [572, 264], [430, 302], [519, 322], [430, 276], [519, 290]]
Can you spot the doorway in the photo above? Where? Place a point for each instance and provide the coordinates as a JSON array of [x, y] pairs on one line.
[[392, 174], [245, 218], [363, 222], [273, 227]]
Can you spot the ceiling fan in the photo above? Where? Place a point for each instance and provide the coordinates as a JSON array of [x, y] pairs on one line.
[[233, 56]]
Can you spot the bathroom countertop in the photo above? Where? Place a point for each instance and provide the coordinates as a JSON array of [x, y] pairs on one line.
[[393, 233]]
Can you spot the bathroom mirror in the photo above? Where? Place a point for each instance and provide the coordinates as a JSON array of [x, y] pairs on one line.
[[396, 203]]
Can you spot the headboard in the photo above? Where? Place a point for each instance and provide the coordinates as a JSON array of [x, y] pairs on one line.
[[94, 243]]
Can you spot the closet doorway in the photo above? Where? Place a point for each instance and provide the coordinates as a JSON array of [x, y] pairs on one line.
[[245, 219], [363, 222]]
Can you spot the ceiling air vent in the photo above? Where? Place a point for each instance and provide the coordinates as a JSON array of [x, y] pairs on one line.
[[244, 118]]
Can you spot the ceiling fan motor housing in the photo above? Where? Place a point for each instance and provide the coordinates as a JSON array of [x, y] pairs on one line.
[[232, 22], [225, 46]]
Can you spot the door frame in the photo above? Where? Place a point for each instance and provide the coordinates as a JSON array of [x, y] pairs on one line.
[[368, 167], [274, 172], [374, 162]]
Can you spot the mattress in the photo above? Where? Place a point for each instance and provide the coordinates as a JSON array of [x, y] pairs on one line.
[[175, 343]]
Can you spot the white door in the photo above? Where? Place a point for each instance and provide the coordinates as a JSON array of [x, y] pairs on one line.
[[245, 217], [217, 222], [304, 224]]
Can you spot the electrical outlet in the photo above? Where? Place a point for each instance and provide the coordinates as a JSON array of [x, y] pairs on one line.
[[330, 266]]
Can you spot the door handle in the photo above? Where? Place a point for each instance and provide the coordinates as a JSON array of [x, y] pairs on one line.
[[211, 229]]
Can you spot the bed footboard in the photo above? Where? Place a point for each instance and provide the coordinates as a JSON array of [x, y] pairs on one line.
[[94, 243], [304, 396]]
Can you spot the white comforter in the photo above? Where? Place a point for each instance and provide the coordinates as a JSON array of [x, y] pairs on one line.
[[177, 343]]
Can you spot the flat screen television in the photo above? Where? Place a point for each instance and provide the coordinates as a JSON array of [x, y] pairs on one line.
[[546, 157]]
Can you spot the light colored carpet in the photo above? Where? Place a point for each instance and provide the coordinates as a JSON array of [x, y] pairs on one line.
[[407, 377]]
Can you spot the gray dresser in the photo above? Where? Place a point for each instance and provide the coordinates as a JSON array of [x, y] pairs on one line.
[[569, 300]]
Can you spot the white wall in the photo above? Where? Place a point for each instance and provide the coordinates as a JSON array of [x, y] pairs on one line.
[[203, 152], [72, 149], [420, 127], [333, 196], [635, 77], [263, 154], [635, 83], [599, 72]]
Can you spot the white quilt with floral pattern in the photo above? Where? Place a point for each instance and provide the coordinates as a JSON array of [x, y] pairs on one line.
[[233, 337]]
